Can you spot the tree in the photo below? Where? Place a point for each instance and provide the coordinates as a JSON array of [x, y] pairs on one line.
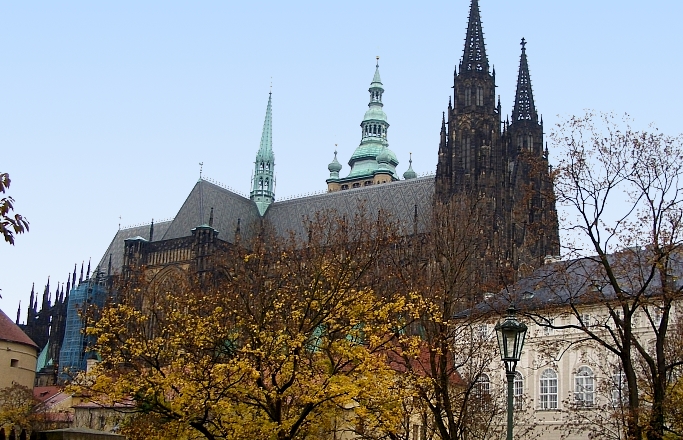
[[9, 224], [622, 188], [18, 409], [285, 338], [446, 348]]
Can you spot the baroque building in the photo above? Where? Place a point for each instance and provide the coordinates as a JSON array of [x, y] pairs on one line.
[[500, 164]]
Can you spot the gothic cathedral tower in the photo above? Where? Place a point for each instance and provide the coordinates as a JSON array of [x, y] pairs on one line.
[[505, 170]]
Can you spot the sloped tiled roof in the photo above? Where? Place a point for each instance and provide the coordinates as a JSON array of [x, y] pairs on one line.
[[11, 332], [397, 199], [228, 207], [115, 248]]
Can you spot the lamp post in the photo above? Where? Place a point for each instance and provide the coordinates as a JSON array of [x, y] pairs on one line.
[[511, 334]]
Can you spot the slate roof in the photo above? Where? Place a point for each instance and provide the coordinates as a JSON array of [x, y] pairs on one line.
[[11, 332], [397, 199], [115, 248], [227, 206]]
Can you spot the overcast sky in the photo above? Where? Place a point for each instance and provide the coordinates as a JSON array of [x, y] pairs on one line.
[[107, 108]]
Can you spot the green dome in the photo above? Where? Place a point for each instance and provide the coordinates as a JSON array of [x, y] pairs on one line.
[[334, 166], [375, 113], [410, 173], [384, 156], [366, 150]]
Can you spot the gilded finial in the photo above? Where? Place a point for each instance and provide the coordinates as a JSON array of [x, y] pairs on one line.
[[523, 43]]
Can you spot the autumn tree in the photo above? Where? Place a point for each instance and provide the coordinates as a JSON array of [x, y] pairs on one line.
[[446, 348], [10, 224], [18, 409], [621, 192], [284, 339]]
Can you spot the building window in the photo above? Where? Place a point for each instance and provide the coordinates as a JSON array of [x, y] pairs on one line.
[[468, 99], [518, 388], [480, 96], [345, 187], [356, 185], [482, 391], [619, 388], [547, 328], [584, 387], [548, 391], [14, 363]]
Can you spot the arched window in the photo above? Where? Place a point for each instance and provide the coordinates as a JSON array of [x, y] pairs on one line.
[[480, 96], [468, 99], [584, 387], [518, 386], [548, 389], [482, 387], [260, 184]]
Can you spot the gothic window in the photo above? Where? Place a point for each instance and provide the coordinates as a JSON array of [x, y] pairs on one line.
[[480, 96], [467, 96], [260, 184], [468, 153], [262, 166], [584, 387], [267, 166], [548, 389], [267, 184]]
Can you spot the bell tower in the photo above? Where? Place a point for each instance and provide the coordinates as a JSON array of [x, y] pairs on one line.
[[469, 151]]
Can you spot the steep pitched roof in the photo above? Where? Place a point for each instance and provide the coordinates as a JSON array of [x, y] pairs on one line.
[[398, 199], [116, 246], [11, 332], [228, 209]]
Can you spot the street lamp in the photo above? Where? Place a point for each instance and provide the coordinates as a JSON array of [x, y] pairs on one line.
[[511, 334]]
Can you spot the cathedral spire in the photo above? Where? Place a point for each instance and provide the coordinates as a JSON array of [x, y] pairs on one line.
[[524, 108], [263, 185], [474, 56]]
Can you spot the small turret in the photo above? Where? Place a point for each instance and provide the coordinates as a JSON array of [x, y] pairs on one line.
[[334, 167], [410, 174]]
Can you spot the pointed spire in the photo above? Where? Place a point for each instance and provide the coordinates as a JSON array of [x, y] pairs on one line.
[[524, 108], [80, 279], [263, 180], [211, 217], [18, 312], [267, 134], [474, 56], [30, 304], [151, 231], [87, 276], [376, 80], [109, 266], [68, 284]]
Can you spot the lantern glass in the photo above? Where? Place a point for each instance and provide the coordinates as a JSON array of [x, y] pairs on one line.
[[511, 334]]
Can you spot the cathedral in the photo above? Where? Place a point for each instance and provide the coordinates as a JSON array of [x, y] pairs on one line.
[[501, 163]]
